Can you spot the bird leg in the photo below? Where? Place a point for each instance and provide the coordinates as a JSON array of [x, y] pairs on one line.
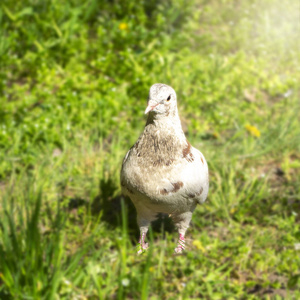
[[180, 245], [142, 246], [144, 218], [182, 222]]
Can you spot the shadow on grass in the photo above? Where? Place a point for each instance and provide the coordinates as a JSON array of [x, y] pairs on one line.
[[4, 295]]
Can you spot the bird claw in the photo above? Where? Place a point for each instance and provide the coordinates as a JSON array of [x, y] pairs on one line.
[[141, 248], [180, 247], [178, 250]]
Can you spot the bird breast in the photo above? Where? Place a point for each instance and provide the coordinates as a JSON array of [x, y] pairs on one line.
[[163, 170]]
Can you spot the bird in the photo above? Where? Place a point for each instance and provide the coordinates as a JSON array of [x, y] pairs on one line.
[[162, 172]]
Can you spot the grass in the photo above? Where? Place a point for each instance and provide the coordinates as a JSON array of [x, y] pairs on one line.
[[74, 79]]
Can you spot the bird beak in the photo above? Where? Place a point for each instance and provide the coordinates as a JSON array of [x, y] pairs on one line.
[[151, 106]]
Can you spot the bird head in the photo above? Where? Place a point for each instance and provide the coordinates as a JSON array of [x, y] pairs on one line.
[[162, 100]]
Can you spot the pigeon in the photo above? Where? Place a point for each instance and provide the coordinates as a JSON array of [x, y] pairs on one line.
[[162, 172]]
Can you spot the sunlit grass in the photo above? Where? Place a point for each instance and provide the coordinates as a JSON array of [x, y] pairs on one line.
[[74, 79]]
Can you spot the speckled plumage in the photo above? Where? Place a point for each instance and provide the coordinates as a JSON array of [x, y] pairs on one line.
[[162, 172]]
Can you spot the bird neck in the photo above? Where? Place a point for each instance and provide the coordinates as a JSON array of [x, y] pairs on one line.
[[161, 143], [166, 123], [169, 117]]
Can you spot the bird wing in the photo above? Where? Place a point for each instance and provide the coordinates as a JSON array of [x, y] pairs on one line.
[[195, 176]]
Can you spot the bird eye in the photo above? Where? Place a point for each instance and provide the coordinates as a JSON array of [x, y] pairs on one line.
[[169, 98]]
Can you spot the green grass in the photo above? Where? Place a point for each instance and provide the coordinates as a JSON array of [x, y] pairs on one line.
[[74, 79]]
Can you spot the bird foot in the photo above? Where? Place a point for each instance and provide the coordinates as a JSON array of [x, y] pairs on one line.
[[180, 246], [142, 247]]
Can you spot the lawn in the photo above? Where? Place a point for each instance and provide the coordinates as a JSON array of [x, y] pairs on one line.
[[74, 81]]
